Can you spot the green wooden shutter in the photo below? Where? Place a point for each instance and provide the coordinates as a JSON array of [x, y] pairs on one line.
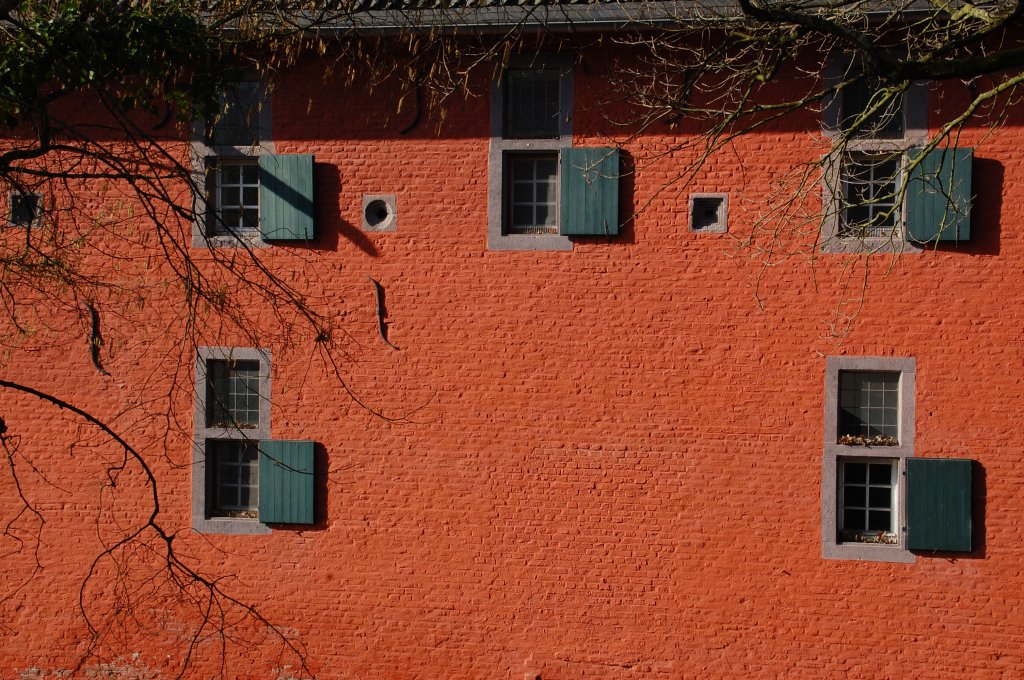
[[939, 196], [589, 191], [286, 482], [286, 197], [939, 504]]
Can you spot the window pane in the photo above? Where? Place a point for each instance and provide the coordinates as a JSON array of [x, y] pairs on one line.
[[853, 496], [878, 520], [880, 474], [880, 497], [853, 520], [856, 473]]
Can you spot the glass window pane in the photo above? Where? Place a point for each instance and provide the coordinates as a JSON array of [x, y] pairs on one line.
[[853, 496], [230, 173], [880, 497], [250, 173], [853, 520], [879, 520], [855, 473], [880, 473]]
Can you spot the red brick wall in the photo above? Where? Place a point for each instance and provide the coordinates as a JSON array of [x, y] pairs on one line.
[[603, 463]]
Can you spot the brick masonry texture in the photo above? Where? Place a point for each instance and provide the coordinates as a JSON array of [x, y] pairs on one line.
[[602, 463]]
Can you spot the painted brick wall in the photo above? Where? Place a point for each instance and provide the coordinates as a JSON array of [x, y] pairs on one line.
[[603, 463]]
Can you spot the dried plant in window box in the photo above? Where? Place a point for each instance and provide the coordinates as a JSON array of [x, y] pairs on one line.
[[861, 440], [878, 537]]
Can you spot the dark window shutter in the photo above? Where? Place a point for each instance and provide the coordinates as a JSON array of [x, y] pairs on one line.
[[286, 482], [939, 196], [589, 191], [939, 504], [286, 197]]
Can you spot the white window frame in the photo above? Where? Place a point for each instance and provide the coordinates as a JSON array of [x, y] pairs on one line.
[[203, 520], [914, 110], [834, 452], [205, 154], [502, 148]]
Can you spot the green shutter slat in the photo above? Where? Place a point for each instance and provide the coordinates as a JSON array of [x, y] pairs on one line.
[[939, 504], [286, 482], [939, 195], [589, 204], [286, 197]]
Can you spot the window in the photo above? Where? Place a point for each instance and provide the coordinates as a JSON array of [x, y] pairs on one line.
[[870, 185], [531, 122], [878, 501], [232, 418], [242, 480], [709, 213], [251, 195], [26, 208], [532, 201], [864, 184], [867, 491], [541, 189], [235, 477], [869, 407], [869, 435], [236, 188]]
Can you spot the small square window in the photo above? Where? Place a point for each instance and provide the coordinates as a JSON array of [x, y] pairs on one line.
[[235, 193], [233, 394], [25, 209], [708, 213], [532, 182], [532, 104], [235, 478]]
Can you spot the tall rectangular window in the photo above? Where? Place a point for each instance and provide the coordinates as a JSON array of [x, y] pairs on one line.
[[871, 202], [533, 194], [236, 197], [531, 127], [235, 478], [867, 500], [868, 437]]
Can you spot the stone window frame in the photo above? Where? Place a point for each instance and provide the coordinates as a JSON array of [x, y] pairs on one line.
[[501, 148], [831, 547], [201, 488], [204, 152], [915, 133]]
